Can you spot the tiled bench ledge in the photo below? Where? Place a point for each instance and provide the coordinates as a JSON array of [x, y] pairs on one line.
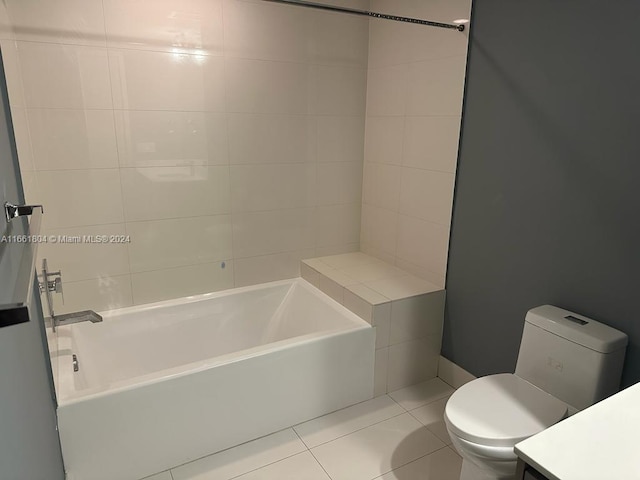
[[406, 311]]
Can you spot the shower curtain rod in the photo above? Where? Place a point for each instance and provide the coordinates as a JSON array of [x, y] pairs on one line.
[[366, 13]]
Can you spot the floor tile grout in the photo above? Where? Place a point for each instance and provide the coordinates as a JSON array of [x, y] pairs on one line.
[[358, 430], [414, 460], [395, 401], [229, 448], [443, 381], [416, 417], [301, 439], [265, 465], [427, 427], [423, 404], [315, 458], [407, 463]]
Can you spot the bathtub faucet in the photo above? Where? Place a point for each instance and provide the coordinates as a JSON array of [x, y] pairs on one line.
[[76, 317]]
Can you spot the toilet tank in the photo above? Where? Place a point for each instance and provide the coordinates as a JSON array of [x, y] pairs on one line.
[[571, 357]]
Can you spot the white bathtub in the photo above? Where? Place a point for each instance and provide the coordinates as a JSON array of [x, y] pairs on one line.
[[163, 384]]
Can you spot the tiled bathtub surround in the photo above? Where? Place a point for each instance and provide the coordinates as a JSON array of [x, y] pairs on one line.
[[225, 137], [406, 311], [414, 98]]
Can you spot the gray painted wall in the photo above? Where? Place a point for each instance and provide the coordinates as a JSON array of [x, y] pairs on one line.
[[547, 202]]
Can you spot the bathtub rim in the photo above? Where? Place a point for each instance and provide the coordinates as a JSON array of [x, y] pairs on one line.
[[67, 394]]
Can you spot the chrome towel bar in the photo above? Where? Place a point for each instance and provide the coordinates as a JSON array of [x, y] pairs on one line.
[[12, 211], [15, 299]]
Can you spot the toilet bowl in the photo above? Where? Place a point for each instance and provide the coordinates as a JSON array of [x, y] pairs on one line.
[[486, 417], [566, 362]]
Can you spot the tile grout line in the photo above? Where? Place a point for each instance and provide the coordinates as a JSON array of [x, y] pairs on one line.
[[213, 112], [414, 460], [230, 448], [298, 435], [225, 87], [427, 427], [396, 402], [423, 404], [358, 430], [264, 466], [312, 454], [216, 54]]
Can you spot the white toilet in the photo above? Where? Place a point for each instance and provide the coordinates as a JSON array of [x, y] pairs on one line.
[[566, 363]]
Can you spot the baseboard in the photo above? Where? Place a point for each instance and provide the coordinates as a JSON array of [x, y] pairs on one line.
[[453, 374]]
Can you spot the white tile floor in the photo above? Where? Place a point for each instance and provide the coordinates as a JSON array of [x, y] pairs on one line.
[[400, 436]]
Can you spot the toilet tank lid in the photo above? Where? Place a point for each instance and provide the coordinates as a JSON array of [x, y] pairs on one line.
[[577, 328]]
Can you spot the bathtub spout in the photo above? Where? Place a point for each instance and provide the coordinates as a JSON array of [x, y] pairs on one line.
[[76, 317]]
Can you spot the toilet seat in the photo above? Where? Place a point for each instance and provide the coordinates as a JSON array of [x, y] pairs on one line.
[[501, 410]]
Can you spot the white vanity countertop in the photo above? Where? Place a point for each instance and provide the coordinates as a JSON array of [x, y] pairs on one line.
[[599, 443]]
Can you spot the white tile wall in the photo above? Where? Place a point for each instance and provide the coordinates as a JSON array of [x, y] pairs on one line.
[[414, 99], [157, 285], [6, 29], [72, 139], [257, 188], [63, 21], [23, 141], [383, 142], [98, 293], [336, 181], [344, 34], [85, 261], [414, 235], [387, 88], [436, 188], [80, 197], [340, 90], [380, 371], [170, 192], [416, 317], [276, 231], [406, 311], [129, 113], [205, 130], [143, 80], [64, 76], [378, 236], [266, 268], [340, 140], [413, 361], [153, 243], [12, 71], [276, 34], [166, 26], [432, 141], [263, 86], [165, 139], [435, 87], [279, 139]]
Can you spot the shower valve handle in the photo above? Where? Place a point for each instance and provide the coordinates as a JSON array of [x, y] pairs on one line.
[[57, 286]]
